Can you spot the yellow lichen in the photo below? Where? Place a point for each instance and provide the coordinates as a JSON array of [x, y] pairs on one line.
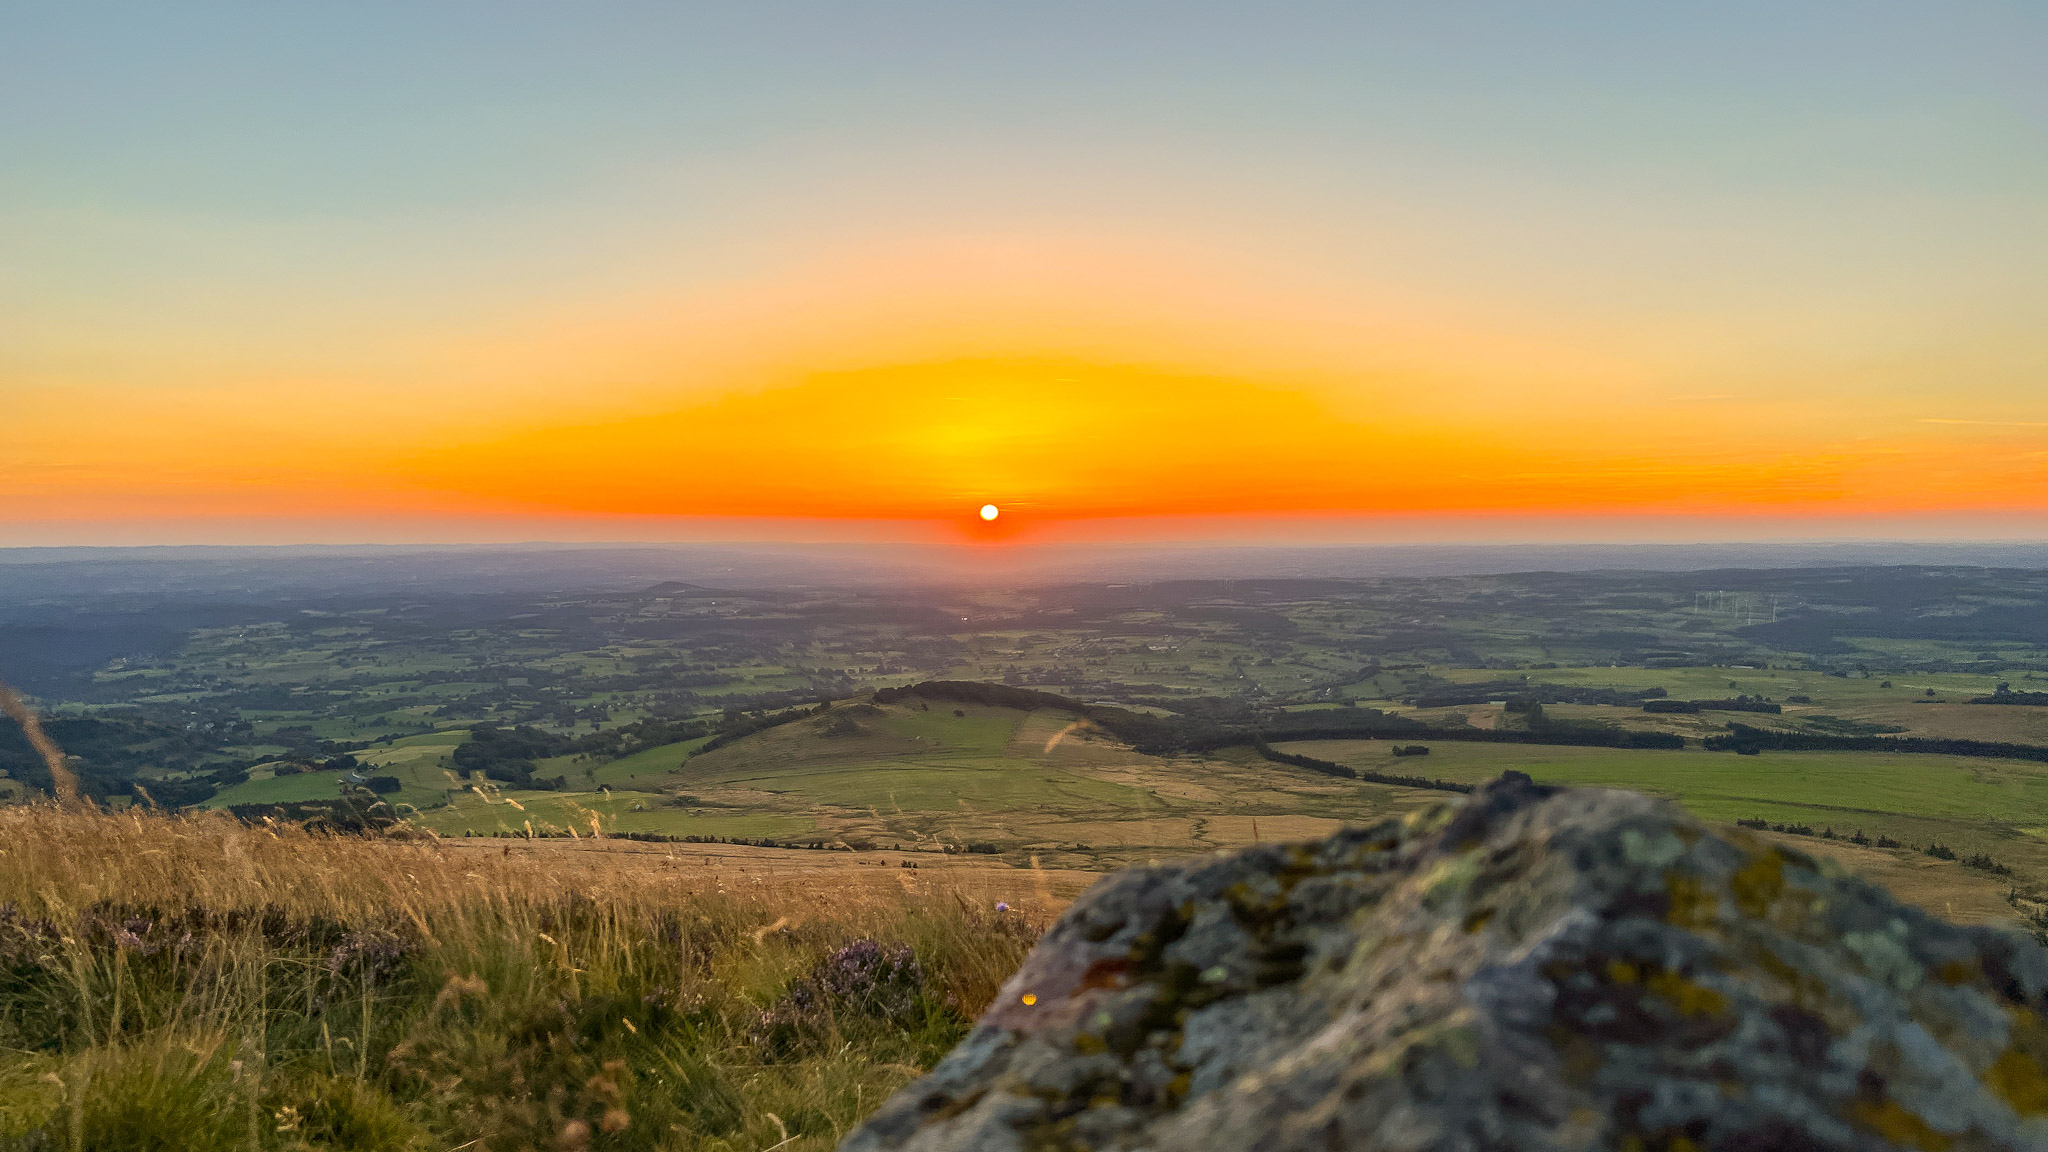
[[1449, 880], [1889, 1120], [1956, 972], [1799, 987], [2017, 1075], [1690, 998], [2018, 1078], [1689, 903], [1758, 885]]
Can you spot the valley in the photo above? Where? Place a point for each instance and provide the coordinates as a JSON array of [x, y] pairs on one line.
[[705, 719]]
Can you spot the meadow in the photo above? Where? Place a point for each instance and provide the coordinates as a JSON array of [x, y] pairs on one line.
[[505, 969], [1038, 785], [1971, 806], [192, 982]]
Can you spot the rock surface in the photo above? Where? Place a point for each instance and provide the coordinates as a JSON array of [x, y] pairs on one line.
[[1530, 969]]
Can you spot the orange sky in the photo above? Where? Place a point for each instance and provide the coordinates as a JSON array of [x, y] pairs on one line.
[[1092, 385], [1256, 275]]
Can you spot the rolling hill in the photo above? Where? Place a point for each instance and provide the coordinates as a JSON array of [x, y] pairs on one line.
[[1047, 781], [941, 776]]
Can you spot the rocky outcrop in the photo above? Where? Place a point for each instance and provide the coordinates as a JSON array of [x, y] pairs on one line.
[[1529, 969]]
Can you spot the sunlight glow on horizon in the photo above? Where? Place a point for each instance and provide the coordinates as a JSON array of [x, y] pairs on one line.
[[1364, 269]]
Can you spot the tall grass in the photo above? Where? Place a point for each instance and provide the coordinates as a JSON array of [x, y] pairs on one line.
[[193, 983]]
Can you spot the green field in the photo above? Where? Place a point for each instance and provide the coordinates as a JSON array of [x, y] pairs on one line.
[[421, 763], [1711, 683], [879, 763], [934, 773], [1996, 806], [906, 759], [280, 789], [645, 768], [485, 813], [398, 677]]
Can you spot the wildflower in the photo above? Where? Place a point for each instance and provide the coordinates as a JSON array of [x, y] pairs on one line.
[[1001, 906], [863, 978], [372, 955]]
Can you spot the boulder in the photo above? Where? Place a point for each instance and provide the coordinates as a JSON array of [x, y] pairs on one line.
[[1529, 969]]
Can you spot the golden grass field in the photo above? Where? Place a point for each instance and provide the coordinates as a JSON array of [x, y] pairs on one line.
[[192, 982]]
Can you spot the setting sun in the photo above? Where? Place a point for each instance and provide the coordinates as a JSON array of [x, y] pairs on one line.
[[1417, 303], [437, 436]]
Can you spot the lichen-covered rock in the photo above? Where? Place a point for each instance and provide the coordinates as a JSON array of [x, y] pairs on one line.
[[1531, 969]]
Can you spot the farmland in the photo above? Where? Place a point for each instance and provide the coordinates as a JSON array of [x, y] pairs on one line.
[[642, 818], [687, 710]]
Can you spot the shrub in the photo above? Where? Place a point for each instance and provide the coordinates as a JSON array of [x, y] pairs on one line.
[[864, 978], [1984, 863]]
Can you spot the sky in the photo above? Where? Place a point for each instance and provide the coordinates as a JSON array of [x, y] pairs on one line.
[[839, 270]]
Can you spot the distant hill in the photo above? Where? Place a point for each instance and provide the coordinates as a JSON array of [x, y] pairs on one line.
[[680, 588], [932, 775]]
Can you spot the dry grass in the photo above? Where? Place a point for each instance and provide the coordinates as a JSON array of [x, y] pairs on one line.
[[192, 982], [61, 779], [52, 862], [1942, 887]]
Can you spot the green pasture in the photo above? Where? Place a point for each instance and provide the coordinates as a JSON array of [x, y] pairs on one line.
[[420, 762], [280, 789], [423, 763], [901, 759], [977, 732], [1845, 790], [941, 785], [427, 745], [1882, 649], [484, 814], [906, 759], [647, 767], [1706, 683]]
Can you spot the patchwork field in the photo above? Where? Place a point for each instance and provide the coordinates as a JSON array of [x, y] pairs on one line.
[[620, 798], [946, 781], [1995, 807], [928, 781]]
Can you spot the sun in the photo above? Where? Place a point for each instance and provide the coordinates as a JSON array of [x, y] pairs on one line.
[[990, 512]]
